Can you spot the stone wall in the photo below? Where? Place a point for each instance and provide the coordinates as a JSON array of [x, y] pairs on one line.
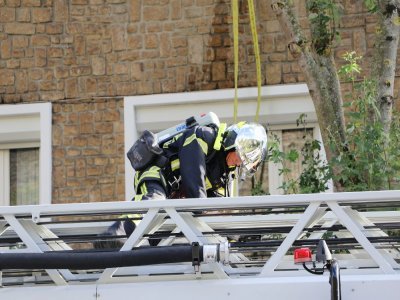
[[88, 151], [73, 49], [84, 55]]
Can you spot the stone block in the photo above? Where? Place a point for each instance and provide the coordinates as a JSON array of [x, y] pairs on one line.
[[79, 2], [118, 37], [31, 3], [21, 81], [359, 42], [135, 41], [61, 10], [218, 71], [23, 15], [7, 14], [103, 128], [13, 63], [48, 85], [137, 71], [155, 13], [93, 46], [5, 49], [91, 85], [40, 40], [27, 63], [80, 45], [20, 42], [52, 95], [71, 88], [55, 52], [121, 69], [19, 28], [135, 9], [98, 65], [165, 45], [80, 71], [41, 15], [178, 42], [151, 41], [196, 48], [349, 21], [176, 9], [7, 77], [13, 3], [273, 73], [54, 28]]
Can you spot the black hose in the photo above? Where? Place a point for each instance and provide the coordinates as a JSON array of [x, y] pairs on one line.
[[99, 260], [334, 280]]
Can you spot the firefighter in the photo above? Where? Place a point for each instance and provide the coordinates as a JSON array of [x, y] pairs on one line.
[[196, 163]]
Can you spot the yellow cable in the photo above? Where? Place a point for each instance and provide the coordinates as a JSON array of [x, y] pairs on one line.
[[235, 22], [253, 26]]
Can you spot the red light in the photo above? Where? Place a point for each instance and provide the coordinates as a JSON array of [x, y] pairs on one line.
[[302, 255]]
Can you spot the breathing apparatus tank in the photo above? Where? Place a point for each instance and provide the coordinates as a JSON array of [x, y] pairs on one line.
[[203, 120]]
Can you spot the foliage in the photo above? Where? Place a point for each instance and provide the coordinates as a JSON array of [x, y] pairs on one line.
[[367, 161], [371, 5], [324, 18], [257, 189], [257, 181], [315, 174]]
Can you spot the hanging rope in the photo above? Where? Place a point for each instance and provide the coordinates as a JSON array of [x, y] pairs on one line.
[[235, 17], [253, 26]]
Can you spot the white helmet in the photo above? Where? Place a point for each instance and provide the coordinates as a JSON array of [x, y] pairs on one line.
[[250, 142]]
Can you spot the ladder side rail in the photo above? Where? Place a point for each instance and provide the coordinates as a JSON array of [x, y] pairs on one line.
[[375, 232], [150, 219], [32, 246], [354, 228], [274, 260], [220, 203], [37, 232], [186, 223]]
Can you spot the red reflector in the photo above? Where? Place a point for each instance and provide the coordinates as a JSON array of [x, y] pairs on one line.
[[302, 255]]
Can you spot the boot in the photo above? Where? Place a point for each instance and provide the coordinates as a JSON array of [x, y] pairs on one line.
[[111, 241]]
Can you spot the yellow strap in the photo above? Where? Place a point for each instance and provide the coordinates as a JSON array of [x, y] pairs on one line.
[[152, 172], [220, 136], [253, 26], [203, 144], [189, 139], [175, 164], [143, 189], [235, 22], [138, 197]]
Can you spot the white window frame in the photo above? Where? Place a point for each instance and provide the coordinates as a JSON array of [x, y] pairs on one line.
[[40, 136], [281, 105]]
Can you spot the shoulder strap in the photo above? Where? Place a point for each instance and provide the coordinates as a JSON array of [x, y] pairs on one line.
[[220, 136]]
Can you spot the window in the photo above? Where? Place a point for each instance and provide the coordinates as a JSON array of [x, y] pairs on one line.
[[25, 154], [280, 108], [24, 176]]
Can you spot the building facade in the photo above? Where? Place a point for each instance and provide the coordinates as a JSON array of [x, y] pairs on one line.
[[78, 71]]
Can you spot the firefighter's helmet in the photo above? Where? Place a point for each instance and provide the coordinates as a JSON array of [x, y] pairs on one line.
[[249, 140]]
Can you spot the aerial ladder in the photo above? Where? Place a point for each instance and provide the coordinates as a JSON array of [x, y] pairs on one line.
[[314, 246]]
